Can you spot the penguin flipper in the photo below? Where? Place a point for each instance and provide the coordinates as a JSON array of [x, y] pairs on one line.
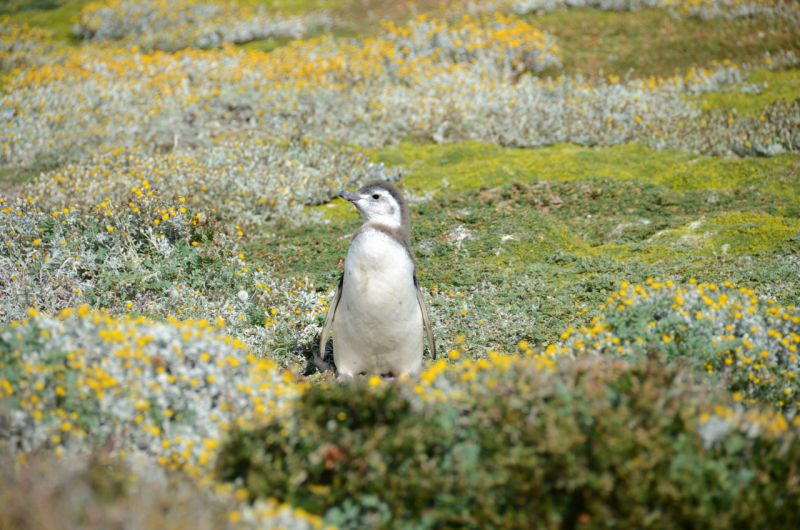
[[426, 320], [319, 358]]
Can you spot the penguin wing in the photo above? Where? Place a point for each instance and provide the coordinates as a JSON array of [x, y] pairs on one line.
[[426, 321], [319, 358]]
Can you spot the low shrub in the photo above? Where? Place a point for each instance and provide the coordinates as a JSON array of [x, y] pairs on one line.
[[598, 444], [750, 342], [178, 24], [167, 390], [428, 79]]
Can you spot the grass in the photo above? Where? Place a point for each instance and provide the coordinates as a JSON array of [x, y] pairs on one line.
[[11, 7], [652, 42], [266, 45], [572, 222], [14, 176]]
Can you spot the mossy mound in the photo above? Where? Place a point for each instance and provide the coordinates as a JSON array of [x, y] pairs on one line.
[[762, 88], [742, 233]]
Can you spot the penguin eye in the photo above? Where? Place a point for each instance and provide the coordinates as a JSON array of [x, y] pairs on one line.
[[376, 196]]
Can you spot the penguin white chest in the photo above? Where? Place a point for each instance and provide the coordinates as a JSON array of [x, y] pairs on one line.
[[378, 326]]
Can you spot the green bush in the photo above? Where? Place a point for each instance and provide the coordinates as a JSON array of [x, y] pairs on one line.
[[598, 444]]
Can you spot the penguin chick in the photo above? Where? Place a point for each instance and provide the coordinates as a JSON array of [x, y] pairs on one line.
[[378, 312]]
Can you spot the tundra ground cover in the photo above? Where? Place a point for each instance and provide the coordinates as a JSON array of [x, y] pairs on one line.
[[187, 24], [606, 222]]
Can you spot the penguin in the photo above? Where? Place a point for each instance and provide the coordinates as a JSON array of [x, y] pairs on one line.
[[378, 313]]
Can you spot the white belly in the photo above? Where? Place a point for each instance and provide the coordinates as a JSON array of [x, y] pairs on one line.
[[378, 323]]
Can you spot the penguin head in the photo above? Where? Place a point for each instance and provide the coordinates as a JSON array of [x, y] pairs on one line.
[[381, 203]]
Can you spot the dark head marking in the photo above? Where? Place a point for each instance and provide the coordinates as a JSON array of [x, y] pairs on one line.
[[394, 191]]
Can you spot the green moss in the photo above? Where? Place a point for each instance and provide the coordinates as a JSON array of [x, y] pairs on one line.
[[336, 210], [472, 165], [754, 232], [733, 233], [773, 86], [59, 19], [296, 6]]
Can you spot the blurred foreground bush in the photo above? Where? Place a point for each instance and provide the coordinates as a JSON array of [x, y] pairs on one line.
[[47, 493], [598, 444], [100, 492]]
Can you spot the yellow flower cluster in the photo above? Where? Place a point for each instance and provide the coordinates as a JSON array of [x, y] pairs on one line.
[[462, 378], [242, 184], [751, 342], [716, 423], [156, 247], [168, 389], [427, 78], [512, 44], [21, 44]]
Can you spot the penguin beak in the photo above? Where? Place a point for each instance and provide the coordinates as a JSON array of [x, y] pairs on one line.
[[352, 197]]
